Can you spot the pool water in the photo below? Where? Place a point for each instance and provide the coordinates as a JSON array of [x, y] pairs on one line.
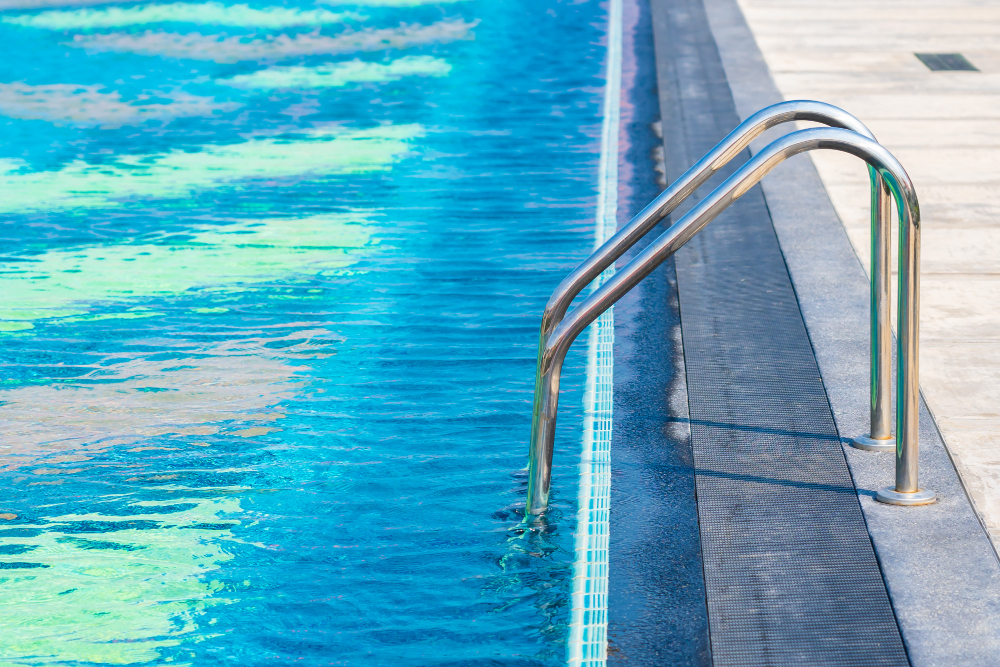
[[270, 281]]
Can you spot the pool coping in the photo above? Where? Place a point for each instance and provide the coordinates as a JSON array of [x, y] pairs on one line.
[[940, 568]]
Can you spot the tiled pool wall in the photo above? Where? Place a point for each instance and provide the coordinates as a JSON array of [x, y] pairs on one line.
[[588, 639]]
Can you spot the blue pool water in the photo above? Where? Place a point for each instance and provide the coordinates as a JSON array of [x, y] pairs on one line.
[[269, 293]]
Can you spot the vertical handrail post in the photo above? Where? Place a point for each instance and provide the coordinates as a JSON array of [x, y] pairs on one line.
[[543, 425], [881, 327], [880, 437], [907, 489]]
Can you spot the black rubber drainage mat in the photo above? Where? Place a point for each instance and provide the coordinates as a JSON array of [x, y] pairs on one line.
[[790, 573]]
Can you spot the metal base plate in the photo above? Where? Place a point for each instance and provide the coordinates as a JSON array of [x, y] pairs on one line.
[[872, 445], [890, 496]]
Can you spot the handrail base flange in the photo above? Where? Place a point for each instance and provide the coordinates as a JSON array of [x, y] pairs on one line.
[[891, 496], [870, 444]]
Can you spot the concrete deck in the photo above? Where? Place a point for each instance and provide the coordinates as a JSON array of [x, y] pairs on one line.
[[769, 305], [945, 129], [939, 567]]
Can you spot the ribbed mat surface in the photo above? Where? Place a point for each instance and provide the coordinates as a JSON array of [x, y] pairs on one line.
[[790, 572]]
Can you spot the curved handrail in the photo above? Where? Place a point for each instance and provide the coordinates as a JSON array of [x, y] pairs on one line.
[[724, 152], [895, 179]]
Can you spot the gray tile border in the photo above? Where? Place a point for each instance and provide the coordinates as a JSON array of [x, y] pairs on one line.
[[940, 567]]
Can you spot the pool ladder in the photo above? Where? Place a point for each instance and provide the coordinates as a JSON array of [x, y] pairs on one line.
[[889, 181]]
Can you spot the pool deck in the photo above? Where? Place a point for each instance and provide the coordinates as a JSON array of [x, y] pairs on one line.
[[945, 129], [936, 564], [940, 570]]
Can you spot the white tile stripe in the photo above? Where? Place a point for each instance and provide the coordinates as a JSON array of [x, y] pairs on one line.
[[588, 641]]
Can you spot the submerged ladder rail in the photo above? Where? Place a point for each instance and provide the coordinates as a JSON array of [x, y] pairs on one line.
[[725, 151], [894, 178]]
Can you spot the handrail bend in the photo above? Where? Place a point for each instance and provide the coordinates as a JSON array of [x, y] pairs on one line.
[[893, 176], [724, 152]]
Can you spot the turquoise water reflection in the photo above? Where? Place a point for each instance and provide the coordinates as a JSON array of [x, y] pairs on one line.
[[92, 590], [269, 287]]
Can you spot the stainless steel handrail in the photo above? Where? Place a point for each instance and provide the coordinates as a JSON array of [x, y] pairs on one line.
[[894, 177], [880, 430], [880, 437]]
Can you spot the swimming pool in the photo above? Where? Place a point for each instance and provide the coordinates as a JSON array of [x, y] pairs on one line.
[[269, 296]]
